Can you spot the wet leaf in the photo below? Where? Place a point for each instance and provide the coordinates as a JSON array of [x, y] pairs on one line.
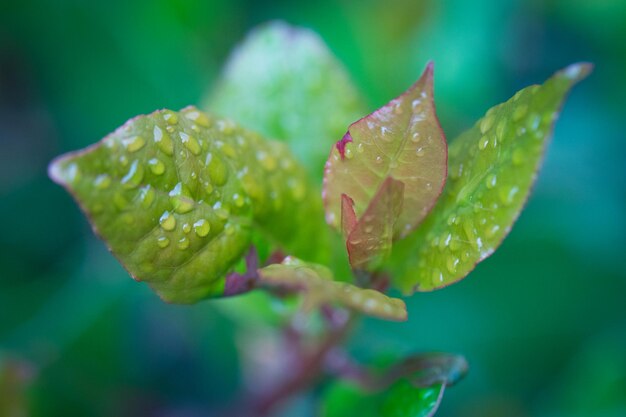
[[413, 386], [284, 83], [178, 196], [492, 168], [369, 239], [402, 140], [402, 399], [318, 287]]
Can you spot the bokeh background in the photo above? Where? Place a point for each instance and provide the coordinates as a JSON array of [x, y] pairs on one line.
[[542, 322]]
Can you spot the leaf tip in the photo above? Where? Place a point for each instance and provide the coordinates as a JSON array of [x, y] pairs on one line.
[[341, 145], [61, 171], [578, 71]]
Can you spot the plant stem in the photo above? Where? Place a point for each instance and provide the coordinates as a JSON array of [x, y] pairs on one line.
[[309, 368]]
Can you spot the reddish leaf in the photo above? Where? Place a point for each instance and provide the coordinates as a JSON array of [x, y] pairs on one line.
[[402, 140], [370, 238]]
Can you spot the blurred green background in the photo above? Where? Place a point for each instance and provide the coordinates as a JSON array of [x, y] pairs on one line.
[[542, 322]]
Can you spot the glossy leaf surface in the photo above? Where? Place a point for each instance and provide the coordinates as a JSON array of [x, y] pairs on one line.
[[402, 399], [284, 83], [402, 140], [368, 240], [318, 287], [178, 196], [492, 168]]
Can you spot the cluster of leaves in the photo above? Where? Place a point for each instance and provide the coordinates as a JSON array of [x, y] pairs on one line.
[[181, 197]]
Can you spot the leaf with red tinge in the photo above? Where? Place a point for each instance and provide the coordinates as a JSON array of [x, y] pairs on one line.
[[370, 237], [348, 216], [402, 140], [493, 167]]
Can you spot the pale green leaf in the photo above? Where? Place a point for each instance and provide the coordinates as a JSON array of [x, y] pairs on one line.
[[284, 83], [318, 288], [178, 196], [492, 168]]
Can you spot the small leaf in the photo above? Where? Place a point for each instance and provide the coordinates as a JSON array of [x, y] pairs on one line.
[[402, 140], [400, 400], [284, 82], [178, 196], [411, 387], [492, 169], [318, 287], [369, 239]]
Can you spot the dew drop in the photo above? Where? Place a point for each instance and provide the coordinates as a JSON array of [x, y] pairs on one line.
[[348, 153], [221, 211], [436, 277], [420, 151], [181, 199], [238, 200], [167, 221], [102, 182], [267, 161], [491, 180], [379, 159], [183, 243], [133, 177], [251, 186], [156, 166], [163, 242], [486, 123], [146, 196], [360, 148], [218, 172], [225, 126], [500, 130], [170, 117], [533, 121], [451, 263], [483, 142], [198, 117], [415, 138], [190, 143], [202, 227], [163, 141], [134, 143], [491, 231], [507, 194], [186, 228]]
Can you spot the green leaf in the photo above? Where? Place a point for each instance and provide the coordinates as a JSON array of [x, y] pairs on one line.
[[283, 82], [368, 240], [318, 287], [412, 387], [492, 168], [402, 140], [178, 196], [402, 399]]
